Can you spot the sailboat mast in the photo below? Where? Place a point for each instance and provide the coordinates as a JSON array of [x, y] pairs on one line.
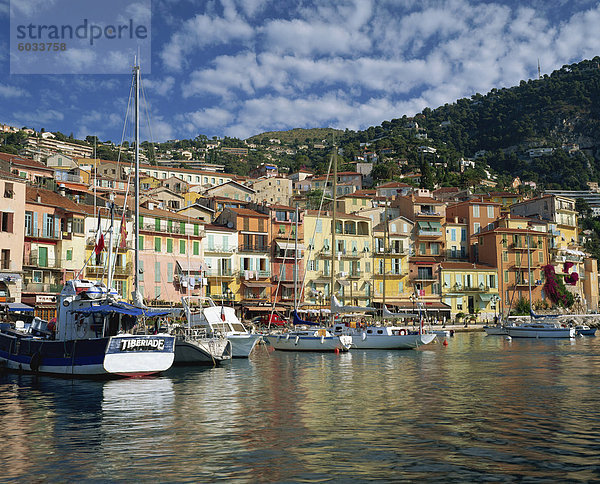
[[333, 221], [136, 220], [529, 272], [386, 234], [296, 263]]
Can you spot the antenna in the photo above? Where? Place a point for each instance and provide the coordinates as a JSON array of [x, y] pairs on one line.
[[539, 70]]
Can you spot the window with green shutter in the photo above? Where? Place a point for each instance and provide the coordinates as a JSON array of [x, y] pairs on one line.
[[196, 229], [141, 242], [69, 254], [157, 244], [169, 246], [170, 225], [182, 246], [196, 247], [141, 221], [182, 227], [157, 224]]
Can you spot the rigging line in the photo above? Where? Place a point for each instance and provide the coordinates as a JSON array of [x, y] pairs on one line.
[[305, 270], [281, 270], [147, 117]]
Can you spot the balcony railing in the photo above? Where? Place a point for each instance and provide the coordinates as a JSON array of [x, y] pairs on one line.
[[219, 250], [42, 287], [392, 251], [261, 274], [254, 248], [125, 270], [40, 233], [430, 233], [37, 261], [219, 273]]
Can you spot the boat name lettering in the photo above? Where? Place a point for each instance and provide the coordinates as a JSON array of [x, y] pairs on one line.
[[142, 344]]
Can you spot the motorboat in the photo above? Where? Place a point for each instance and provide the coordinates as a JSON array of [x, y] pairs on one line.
[[539, 329], [384, 337], [193, 346], [585, 330], [93, 336], [319, 339], [219, 321]]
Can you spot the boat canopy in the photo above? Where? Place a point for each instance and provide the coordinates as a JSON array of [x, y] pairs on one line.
[[337, 307], [18, 307], [123, 308], [298, 321]]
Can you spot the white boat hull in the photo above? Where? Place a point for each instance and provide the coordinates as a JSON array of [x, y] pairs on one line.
[[292, 342], [365, 341], [495, 330], [534, 331], [243, 344], [198, 352]]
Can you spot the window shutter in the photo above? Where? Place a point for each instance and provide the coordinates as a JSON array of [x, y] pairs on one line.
[[10, 221], [56, 227]]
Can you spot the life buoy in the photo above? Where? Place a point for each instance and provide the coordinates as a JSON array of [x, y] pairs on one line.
[[402, 332], [35, 362]]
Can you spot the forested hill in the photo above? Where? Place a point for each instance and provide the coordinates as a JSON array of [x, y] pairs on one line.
[[557, 110]]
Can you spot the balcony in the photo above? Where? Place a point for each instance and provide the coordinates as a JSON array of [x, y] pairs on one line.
[[355, 274], [35, 260], [455, 255], [91, 242], [219, 250], [42, 287], [252, 274], [125, 270], [254, 248], [219, 273], [391, 252], [42, 234], [430, 233]]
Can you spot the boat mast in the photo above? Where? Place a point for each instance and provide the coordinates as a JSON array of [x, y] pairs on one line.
[[529, 274], [386, 234], [296, 299], [136, 220], [333, 222]]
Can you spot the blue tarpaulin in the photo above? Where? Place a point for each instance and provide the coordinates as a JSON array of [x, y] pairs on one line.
[[298, 321], [122, 309], [19, 307]]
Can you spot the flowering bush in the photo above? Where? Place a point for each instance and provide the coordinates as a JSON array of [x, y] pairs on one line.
[[555, 287]]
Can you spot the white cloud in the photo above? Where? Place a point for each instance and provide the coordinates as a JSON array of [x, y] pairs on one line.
[[39, 116], [201, 31], [8, 91], [161, 87]]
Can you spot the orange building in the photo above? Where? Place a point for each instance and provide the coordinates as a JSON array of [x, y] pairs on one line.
[[507, 248], [253, 252], [285, 262], [478, 215]]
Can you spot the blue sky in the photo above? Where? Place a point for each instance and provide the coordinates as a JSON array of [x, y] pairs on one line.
[[242, 67]]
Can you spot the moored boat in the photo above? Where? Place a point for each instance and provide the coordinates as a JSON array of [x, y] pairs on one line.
[[220, 321], [585, 330], [384, 337], [309, 340], [541, 329], [90, 338]]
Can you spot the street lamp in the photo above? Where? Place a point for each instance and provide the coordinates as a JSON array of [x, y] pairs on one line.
[[229, 296], [320, 294], [495, 299], [413, 299]]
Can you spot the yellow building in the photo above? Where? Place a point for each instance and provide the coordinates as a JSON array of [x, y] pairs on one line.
[[391, 248], [457, 243], [351, 259], [470, 288]]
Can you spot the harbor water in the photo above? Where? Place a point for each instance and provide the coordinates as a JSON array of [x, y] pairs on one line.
[[480, 408]]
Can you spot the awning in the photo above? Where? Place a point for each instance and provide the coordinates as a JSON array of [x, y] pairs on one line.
[[423, 225], [192, 267], [343, 283], [436, 226], [486, 297], [8, 277], [289, 245], [290, 286], [265, 309], [256, 284], [18, 307]]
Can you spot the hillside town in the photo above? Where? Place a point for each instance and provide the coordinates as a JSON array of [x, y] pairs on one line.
[[257, 242]]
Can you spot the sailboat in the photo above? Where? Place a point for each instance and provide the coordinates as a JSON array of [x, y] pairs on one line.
[[317, 339], [92, 334], [538, 326], [373, 336]]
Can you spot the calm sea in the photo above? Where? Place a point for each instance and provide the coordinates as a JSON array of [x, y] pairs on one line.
[[482, 408]]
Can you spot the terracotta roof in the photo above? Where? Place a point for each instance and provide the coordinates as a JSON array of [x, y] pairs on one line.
[[247, 212], [218, 228], [466, 265], [51, 199], [24, 162], [394, 185], [447, 190]]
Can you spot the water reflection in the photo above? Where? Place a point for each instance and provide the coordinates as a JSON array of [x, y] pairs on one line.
[[482, 407]]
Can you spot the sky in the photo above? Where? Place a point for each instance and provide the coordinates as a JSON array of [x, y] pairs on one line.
[[239, 68]]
